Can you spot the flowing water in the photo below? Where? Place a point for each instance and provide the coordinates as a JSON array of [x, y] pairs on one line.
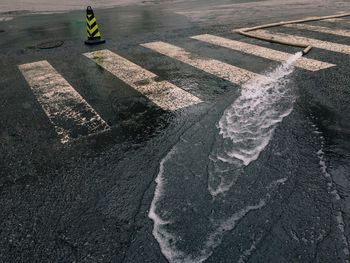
[[194, 204], [247, 125]]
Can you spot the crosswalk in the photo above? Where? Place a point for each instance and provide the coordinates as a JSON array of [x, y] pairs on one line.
[[73, 117], [164, 94], [330, 46], [268, 53]]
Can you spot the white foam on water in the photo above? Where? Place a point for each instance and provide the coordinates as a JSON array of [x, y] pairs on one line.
[[248, 252], [163, 237], [221, 177], [248, 124], [245, 129], [250, 121], [168, 240], [227, 225]]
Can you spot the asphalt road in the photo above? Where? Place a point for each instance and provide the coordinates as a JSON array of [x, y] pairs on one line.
[[89, 200]]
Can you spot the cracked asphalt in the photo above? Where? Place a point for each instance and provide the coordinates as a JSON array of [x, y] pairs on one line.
[[88, 200]]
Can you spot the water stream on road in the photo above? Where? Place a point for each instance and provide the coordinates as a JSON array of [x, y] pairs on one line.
[[247, 125], [194, 205]]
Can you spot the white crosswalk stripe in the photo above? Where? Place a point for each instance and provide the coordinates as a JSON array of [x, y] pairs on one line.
[[5, 18], [70, 114], [321, 29], [304, 63], [331, 46], [162, 93], [223, 70], [337, 20]]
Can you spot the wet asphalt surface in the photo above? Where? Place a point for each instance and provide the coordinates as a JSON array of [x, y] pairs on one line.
[[88, 200]]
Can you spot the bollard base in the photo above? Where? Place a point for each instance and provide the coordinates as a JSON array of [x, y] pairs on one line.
[[94, 41]]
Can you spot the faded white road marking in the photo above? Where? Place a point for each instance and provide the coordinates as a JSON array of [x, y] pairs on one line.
[[337, 20], [304, 40], [70, 114], [162, 93], [327, 30], [212, 66], [5, 18], [305, 63]]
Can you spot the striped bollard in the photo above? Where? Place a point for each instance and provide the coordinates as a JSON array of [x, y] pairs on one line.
[[94, 35]]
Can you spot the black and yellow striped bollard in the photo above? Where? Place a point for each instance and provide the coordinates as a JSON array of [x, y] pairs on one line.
[[94, 35]]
